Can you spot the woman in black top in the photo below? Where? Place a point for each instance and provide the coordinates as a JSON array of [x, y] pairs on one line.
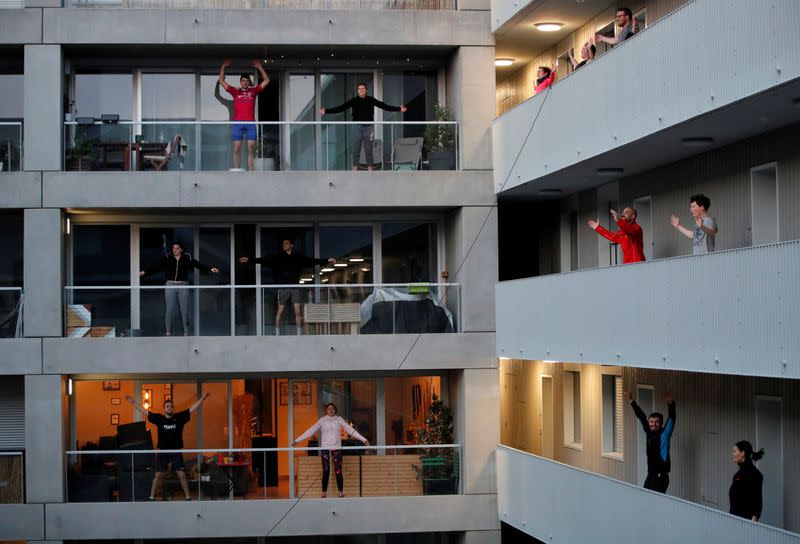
[[364, 112], [176, 269], [745, 491]]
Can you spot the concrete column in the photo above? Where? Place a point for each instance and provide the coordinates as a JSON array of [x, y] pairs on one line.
[[471, 98], [479, 537], [42, 272], [474, 265], [43, 108], [45, 426], [474, 397]]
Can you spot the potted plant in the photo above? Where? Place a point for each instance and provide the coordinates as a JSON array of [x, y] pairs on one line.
[[79, 155], [438, 468], [440, 141], [265, 152]]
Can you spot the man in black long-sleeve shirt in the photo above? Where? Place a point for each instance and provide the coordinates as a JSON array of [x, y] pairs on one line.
[[286, 267], [657, 442], [364, 112]]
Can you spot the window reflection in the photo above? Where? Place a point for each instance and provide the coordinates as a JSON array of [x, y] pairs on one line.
[[409, 252]]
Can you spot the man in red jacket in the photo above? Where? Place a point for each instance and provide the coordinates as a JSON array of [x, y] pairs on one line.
[[629, 236]]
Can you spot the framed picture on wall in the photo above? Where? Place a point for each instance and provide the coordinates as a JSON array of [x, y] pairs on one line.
[[115, 401], [110, 385], [115, 419], [301, 390]]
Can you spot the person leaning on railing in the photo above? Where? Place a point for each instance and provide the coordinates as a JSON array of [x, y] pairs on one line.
[[329, 427], [363, 113], [176, 269]]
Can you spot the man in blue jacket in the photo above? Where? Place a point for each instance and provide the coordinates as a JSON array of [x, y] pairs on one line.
[[658, 440]]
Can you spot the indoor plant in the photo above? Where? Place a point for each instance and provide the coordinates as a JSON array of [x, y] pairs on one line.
[[440, 140], [438, 468], [79, 155], [265, 152]]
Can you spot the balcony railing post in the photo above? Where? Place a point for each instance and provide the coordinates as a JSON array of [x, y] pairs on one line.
[[133, 481]]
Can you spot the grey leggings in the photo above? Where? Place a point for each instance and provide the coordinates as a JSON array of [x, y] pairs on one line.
[[177, 299], [362, 134]]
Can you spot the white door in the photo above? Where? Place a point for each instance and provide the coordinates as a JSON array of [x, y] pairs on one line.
[[769, 435], [644, 398], [764, 203], [644, 217], [546, 414]]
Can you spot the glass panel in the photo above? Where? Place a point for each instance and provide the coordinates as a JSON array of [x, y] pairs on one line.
[[271, 243], [245, 243], [215, 429], [355, 401], [302, 108], [352, 249], [11, 89], [170, 97], [11, 246], [336, 89], [96, 94], [415, 90], [100, 256], [155, 244], [215, 105], [214, 317], [407, 403], [409, 252], [11, 146]]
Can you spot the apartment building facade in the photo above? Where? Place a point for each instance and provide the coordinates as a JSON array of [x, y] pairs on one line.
[[118, 142], [660, 117]]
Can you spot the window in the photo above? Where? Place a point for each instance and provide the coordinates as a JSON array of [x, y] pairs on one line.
[[641, 19], [409, 252], [167, 98], [572, 408], [613, 416], [351, 246], [407, 403], [96, 94]]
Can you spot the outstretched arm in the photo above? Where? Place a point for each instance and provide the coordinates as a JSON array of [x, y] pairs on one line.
[[309, 433], [387, 107], [352, 432], [205, 268], [199, 401], [338, 109], [225, 64], [615, 237], [137, 406], [155, 267], [683, 230], [266, 261]]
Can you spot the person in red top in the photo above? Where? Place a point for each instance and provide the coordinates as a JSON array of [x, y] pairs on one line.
[[629, 236], [244, 106], [545, 77]]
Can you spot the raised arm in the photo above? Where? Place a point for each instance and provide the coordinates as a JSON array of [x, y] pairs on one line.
[[615, 237], [683, 230], [309, 432], [225, 64], [670, 425], [572, 60], [352, 432], [199, 401], [264, 77], [640, 415], [137, 406]]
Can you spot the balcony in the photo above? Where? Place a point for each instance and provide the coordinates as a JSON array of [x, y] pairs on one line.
[[729, 312], [532, 493], [648, 118], [366, 5], [10, 146]]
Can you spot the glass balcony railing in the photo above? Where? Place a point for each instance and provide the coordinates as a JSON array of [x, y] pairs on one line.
[[208, 146], [261, 473], [11, 305], [12, 477], [252, 310], [10, 146], [365, 5]]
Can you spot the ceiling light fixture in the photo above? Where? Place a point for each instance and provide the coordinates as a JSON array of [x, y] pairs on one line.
[[610, 172], [698, 141], [356, 259], [340, 265], [327, 269], [503, 62], [548, 27]]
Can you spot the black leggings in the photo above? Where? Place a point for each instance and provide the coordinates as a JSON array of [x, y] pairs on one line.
[[657, 482], [326, 468]]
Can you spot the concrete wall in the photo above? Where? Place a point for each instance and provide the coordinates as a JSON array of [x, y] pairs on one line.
[[43, 136], [43, 282], [45, 426], [21, 190], [225, 519], [713, 412], [21, 26], [21, 521], [21, 356]]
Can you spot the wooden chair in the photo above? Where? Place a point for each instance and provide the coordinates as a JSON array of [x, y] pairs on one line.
[[176, 147]]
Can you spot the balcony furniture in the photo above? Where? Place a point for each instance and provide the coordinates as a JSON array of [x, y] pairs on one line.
[[176, 148], [341, 317], [406, 153], [147, 148], [114, 155]]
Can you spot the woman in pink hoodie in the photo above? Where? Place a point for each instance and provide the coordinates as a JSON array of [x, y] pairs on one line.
[[544, 77], [329, 428]]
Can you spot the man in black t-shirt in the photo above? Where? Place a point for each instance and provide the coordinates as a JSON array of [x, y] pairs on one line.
[[170, 437]]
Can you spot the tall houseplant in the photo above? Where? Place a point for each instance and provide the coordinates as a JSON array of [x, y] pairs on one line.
[[79, 155], [438, 468], [440, 140]]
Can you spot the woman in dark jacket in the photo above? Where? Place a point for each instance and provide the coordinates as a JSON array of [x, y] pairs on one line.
[[176, 269], [745, 491]]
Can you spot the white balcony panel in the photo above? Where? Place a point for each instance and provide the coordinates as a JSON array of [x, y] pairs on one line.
[[266, 189], [561, 504], [683, 76], [505, 10], [20, 26], [21, 356], [279, 517], [21, 190], [730, 312], [21, 522], [335, 353]]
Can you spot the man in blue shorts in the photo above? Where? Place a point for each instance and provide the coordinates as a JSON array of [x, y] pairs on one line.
[[170, 437], [244, 107]]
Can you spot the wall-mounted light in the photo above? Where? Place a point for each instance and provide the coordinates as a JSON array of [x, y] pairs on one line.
[[548, 27], [503, 62], [68, 225], [147, 398], [69, 387]]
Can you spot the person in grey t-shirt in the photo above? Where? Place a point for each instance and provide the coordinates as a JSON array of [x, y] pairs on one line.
[[627, 28], [703, 234]]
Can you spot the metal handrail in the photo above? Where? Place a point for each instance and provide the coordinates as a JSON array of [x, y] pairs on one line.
[[265, 123], [249, 450], [269, 286]]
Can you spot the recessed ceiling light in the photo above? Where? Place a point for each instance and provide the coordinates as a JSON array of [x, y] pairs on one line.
[[356, 259], [549, 191], [340, 265], [610, 172], [365, 269], [698, 141], [503, 62], [548, 27], [327, 269]]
